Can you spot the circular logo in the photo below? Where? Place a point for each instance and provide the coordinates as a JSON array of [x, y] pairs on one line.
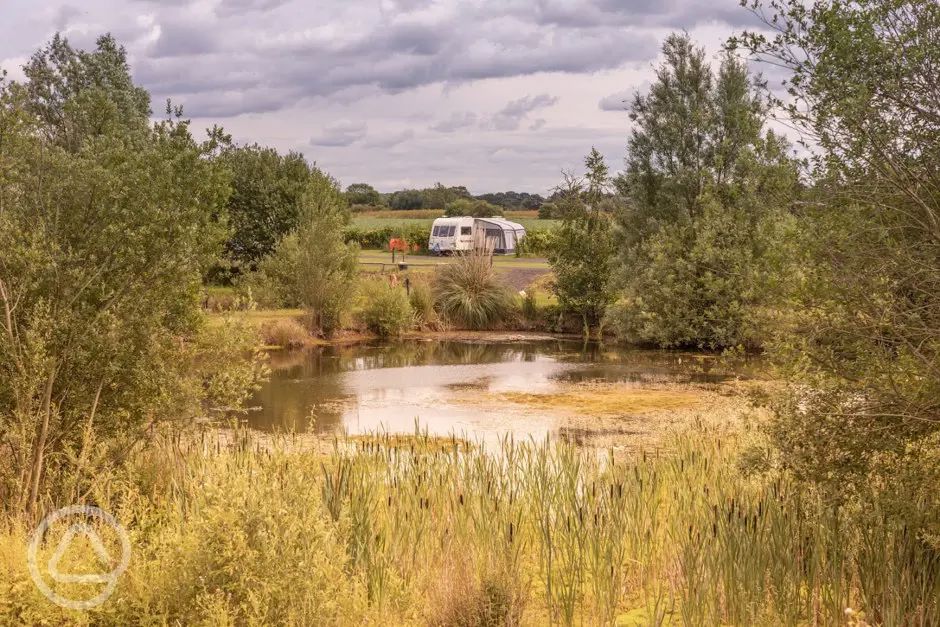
[[85, 523]]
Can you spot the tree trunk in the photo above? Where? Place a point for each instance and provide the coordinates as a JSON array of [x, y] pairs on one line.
[[39, 450]]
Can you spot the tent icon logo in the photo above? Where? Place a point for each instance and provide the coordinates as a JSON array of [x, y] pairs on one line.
[[87, 525]]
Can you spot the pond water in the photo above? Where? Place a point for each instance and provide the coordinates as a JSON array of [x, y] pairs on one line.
[[455, 387]]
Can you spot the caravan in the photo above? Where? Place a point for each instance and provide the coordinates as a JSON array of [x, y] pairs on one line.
[[464, 234]]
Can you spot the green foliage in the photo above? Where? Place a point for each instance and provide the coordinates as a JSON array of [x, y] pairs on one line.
[[312, 267], [516, 201], [581, 255], [266, 201], [865, 353], [406, 199], [386, 309], [378, 238], [363, 194], [471, 207], [77, 94], [471, 294], [538, 241], [702, 235], [107, 224]]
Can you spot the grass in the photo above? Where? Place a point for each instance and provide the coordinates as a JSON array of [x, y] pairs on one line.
[[607, 400], [424, 531], [471, 293], [499, 261]]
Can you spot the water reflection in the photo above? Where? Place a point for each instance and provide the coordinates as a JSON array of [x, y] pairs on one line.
[[364, 387]]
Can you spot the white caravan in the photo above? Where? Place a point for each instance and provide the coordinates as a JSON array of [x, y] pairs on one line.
[[463, 234]]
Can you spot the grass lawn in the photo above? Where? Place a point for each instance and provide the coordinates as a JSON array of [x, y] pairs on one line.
[[419, 261]]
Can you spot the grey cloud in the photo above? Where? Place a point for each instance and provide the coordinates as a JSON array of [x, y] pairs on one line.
[[390, 141], [537, 124], [178, 39], [621, 100], [342, 133], [64, 15], [395, 55], [455, 121], [510, 117]]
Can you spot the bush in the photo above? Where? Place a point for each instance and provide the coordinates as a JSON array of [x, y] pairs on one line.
[[386, 310], [537, 241], [470, 293], [286, 333], [422, 303]]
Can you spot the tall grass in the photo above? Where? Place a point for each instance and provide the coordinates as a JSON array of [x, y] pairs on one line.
[[470, 292], [399, 530]]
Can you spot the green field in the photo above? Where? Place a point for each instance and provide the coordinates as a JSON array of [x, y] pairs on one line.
[[507, 262], [370, 222]]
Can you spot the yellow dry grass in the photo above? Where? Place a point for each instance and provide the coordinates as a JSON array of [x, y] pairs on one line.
[[608, 400]]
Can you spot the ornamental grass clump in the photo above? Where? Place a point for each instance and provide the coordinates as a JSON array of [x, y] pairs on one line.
[[469, 292]]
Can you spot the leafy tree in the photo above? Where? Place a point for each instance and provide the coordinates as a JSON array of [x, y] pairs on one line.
[[267, 193], [438, 197], [313, 266], [406, 199], [582, 247], [471, 207], [106, 225], [75, 94], [862, 90], [513, 200], [363, 194], [708, 194]]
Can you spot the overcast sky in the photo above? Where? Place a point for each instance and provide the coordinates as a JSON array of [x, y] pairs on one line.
[[491, 94]]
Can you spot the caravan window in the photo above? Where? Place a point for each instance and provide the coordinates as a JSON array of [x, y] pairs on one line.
[[465, 230], [450, 231]]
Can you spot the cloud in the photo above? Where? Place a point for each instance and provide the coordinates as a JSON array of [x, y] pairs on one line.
[[342, 133], [458, 120], [510, 117], [391, 140]]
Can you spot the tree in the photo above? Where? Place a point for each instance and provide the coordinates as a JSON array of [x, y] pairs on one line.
[[861, 88], [266, 199], [363, 194], [75, 95], [106, 225], [471, 207], [406, 199], [708, 196], [313, 267], [581, 255]]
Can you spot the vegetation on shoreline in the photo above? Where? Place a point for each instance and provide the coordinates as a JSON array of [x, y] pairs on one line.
[[424, 531]]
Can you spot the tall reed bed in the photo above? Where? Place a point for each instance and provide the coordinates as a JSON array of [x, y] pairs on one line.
[[425, 530]]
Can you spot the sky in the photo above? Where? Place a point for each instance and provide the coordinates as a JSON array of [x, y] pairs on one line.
[[492, 94]]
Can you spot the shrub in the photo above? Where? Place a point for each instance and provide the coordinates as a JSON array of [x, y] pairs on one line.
[[470, 293], [386, 310], [537, 241], [422, 303], [286, 333]]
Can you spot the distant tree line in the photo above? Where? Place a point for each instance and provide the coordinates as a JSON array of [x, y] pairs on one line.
[[437, 197]]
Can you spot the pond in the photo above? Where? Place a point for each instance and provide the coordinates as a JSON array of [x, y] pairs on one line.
[[476, 389]]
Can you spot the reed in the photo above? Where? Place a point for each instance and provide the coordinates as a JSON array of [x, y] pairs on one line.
[[429, 530]]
